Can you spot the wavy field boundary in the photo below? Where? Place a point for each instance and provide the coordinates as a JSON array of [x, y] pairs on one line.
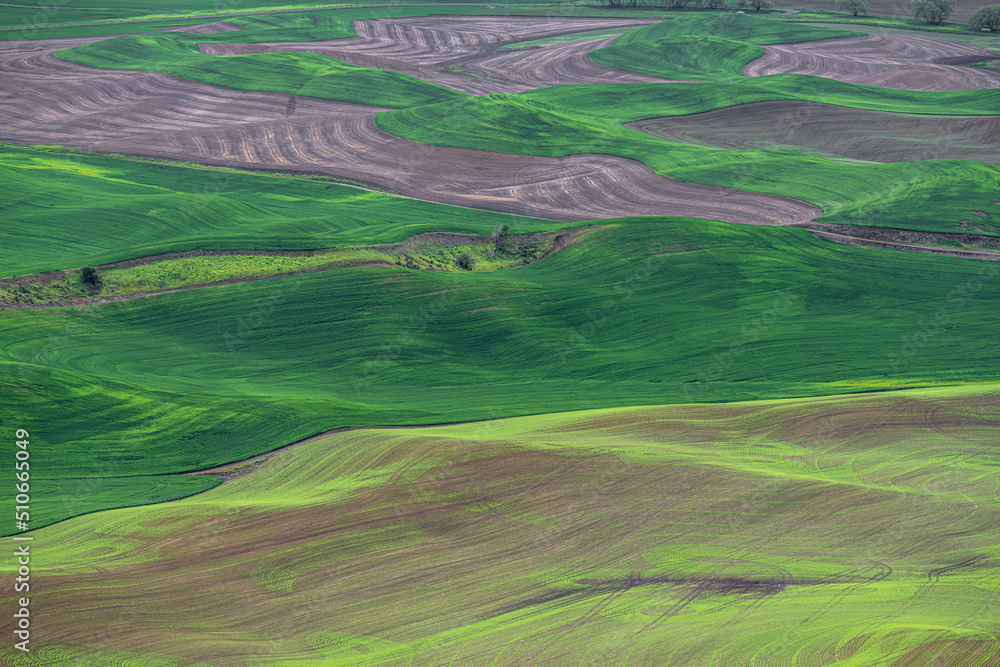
[[133, 209], [566, 189], [852, 529], [159, 115], [693, 508], [460, 52], [637, 312], [564, 120], [835, 131], [911, 62], [53, 101], [564, 180]]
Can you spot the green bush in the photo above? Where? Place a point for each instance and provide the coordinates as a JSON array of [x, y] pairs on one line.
[[466, 261], [90, 279]]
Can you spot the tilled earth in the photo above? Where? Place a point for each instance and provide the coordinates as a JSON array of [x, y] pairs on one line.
[[912, 62], [834, 131], [47, 100], [459, 52]]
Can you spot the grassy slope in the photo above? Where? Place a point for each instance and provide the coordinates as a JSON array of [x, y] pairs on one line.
[[564, 120], [451, 253], [712, 46], [104, 210], [645, 312], [834, 530]]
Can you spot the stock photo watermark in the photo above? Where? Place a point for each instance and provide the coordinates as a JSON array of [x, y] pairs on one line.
[[22, 552]]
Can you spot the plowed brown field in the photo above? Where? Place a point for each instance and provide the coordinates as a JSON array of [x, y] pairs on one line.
[[47, 100], [434, 49], [211, 28], [346, 145], [57, 102], [912, 62], [828, 130]]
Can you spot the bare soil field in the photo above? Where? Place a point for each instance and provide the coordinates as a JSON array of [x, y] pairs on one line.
[[834, 131], [16, 292], [458, 52], [32, 45], [912, 62], [573, 188], [50, 101], [47, 100]]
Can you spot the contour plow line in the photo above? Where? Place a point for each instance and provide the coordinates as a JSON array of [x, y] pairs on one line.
[[156, 114], [460, 53], [910, 62], [568, 189]]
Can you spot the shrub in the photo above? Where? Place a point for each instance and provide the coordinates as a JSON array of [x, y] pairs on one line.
[[90, 279], [501, 240], [466, 261]]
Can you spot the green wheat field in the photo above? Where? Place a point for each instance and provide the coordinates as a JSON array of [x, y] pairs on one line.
[[306, 419]]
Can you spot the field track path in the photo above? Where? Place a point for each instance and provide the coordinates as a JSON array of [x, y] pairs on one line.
[[434, 49], [911, 62], [871, 243], [46, 100]]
